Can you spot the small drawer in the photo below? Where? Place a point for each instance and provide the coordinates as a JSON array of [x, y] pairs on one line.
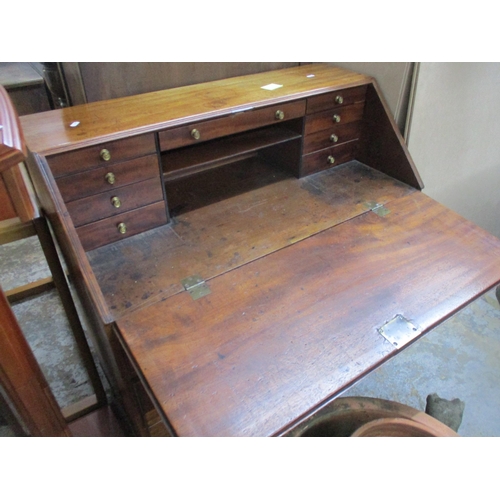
[[102, 154], [236, 122], [101, 179], [327, 158], [100, 206], [339, 116], [336, 134], [122, 226], [332, 100]]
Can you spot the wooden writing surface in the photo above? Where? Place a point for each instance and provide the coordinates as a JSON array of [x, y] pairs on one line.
[[283, 334]]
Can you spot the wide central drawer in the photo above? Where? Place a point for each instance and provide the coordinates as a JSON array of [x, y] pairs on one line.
[[236, 122]]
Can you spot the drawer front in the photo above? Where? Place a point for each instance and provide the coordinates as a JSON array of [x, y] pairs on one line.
[[110, 177], [232, 124], [94, 156], [334, 99], [106, 231], [339, 116], [321, 160], [336, 134], [100, 206]]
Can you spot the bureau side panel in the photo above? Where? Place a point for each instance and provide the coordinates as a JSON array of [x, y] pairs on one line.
[[382, 146]]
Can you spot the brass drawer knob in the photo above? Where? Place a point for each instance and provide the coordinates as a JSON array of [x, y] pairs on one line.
[[331, 160], [105, 155], [334, 138], [339, 99], [115, 201], [195, 134], [279, 115], [336, 118], [110, 178], [122, 228]]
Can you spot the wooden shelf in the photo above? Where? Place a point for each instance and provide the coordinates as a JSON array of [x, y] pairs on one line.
[[198, 158]]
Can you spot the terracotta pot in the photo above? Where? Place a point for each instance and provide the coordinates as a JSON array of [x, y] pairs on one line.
[[345, 417], [394, 427]]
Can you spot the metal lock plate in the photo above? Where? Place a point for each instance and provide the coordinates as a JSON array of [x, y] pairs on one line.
[[399, 331]]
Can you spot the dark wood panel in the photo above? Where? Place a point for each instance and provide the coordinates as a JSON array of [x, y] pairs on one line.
[[100, 206], [118, 79], [86, 158], [95, 181], [382, 146], [279, 336]]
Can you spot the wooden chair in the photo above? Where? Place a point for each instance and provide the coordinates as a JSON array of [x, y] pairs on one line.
[[25, 395]]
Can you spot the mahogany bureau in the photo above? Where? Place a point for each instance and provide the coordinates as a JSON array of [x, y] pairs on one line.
[[246, 249]]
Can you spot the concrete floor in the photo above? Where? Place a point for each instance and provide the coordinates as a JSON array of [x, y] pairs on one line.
[[458, 359]]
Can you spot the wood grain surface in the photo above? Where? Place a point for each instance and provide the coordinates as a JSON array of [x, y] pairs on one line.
[[252, 212], [279, 336], [50, 132]]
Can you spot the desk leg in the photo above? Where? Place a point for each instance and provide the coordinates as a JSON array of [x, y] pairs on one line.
[[61, 283]]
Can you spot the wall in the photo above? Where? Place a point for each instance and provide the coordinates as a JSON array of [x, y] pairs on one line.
[[453, 136]]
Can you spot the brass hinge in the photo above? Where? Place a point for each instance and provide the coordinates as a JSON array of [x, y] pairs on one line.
[[377, 208], [196, 287]]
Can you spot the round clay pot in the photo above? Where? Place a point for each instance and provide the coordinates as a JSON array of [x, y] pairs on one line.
[[394, 427], [343, 417]]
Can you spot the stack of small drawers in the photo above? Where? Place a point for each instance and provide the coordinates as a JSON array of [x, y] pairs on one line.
[[332, 129], [112, 190]]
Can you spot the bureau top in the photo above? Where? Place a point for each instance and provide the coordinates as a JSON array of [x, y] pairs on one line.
[[89, 124]]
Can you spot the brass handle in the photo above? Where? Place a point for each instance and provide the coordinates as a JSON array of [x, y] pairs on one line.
[[105, 155], [336, 118], [334, 138], [122, 228], [279, 115], [339, 99], [110, 177], [331, 160], [195, 134], [115, 201]]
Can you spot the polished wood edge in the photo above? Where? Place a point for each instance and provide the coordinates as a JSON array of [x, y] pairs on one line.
[[32, 123], [68, 240], [12, 144]]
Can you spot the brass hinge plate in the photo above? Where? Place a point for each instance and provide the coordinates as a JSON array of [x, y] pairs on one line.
[[196, 287], [398, 331], [377, 208]]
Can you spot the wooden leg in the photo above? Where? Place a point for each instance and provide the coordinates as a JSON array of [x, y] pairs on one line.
[[498, 293], [61, 283]]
